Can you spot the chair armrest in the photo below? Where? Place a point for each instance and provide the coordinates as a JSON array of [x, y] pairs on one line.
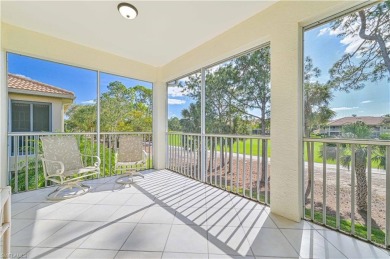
[[60, 171], [144, 156], [97, 163]]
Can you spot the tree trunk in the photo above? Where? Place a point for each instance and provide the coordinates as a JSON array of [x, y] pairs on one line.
[[264, 161], [361, 179], [309, 170], [264, 151]]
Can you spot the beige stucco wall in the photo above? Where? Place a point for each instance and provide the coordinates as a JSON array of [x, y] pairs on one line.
[[281, 25], [57, 108]]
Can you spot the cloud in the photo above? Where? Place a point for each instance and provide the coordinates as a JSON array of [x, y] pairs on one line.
[[367, 101], [324, 31], [351, 42], [337, 109], [89, 102], [175, 101], [176, 91]]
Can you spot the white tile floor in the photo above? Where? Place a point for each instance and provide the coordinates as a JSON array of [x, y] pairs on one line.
[[167, 215]]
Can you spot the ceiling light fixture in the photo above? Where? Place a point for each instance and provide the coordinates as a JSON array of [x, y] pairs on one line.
[[127, 10]]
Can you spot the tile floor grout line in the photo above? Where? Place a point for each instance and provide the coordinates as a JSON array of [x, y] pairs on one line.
[[133, 230], [331, 242]]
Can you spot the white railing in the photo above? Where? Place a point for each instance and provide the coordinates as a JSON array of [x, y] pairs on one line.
[[25, 167], [347, 186], [5, 228], [231, 162]]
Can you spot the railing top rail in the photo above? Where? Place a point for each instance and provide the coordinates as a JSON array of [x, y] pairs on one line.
[[222, 135], [239, 136], [184, 133], [349, 141], [18, 134], [127, 133]]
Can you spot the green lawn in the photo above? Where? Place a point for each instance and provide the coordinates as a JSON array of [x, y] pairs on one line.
[[176, 141], [377, 235]]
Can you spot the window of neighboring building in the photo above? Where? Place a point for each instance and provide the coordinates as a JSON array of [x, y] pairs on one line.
[[29, 116]]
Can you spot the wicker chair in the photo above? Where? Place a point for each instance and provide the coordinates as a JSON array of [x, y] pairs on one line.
[[63, 164], [130, 158]]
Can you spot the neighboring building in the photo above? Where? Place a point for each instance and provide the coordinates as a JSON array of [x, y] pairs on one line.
[[378, 125], [35, 106]]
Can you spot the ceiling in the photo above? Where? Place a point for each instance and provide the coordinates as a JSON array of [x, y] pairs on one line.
[[163, 30]]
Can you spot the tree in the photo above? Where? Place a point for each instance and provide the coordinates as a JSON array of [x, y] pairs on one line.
[[122, 109], [370, 60], [355, 130], [174, 124], [254, 83], [81, 118], [316, 108]]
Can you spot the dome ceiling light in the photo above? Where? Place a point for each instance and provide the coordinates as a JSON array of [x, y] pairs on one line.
[[127, 11]]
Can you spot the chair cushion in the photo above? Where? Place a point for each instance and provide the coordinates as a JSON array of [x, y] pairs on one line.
[[64, 149]]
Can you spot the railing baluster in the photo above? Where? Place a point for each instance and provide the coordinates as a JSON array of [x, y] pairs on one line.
[[212, 159], [258, 171], [205, 148], [244, 167], [187, 152], [182, 160], [36, 153], [311, 165], [170, 143], [175, 153], [221, 157], [225, 140], [16, 154], [250, 169], [387, 237], [324, 183], [109, 153], [266, 172], [26, 151], [369, 174], [191, 150], [231, 164], [198, 162], [103, 150], [353, 189], [237, 166], [338, 186], [215, 164], [150, 155]]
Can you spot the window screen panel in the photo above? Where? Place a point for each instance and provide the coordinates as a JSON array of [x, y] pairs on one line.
[[41, 117], [21, 117]]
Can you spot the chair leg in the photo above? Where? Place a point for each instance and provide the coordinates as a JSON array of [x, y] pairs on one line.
[[84, 188], [126, 178]]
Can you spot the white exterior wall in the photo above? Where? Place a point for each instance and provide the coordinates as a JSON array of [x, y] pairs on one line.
[[159, 124]]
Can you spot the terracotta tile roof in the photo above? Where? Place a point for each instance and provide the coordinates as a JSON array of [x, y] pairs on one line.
[[371, 121], [25, 84]]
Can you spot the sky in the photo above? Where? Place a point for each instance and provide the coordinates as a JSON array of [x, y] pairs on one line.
[[324, 47], [82, 82]]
